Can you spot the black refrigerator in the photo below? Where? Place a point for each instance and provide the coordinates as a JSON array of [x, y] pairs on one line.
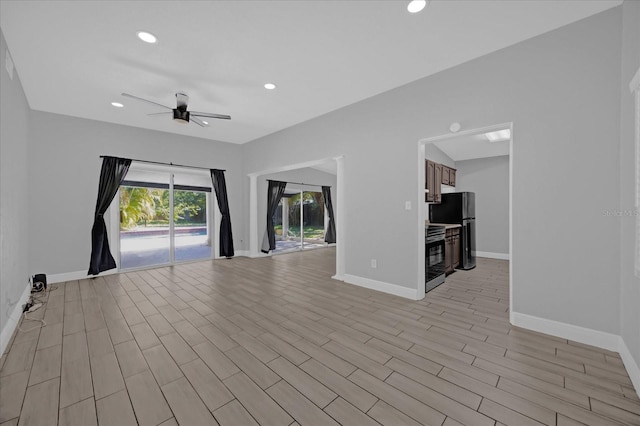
[[460, 208]]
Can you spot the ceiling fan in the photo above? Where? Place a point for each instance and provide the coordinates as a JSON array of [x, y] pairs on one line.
[[180, 113]]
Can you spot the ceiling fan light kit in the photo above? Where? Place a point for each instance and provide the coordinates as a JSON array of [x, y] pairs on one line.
[[181, 117], [180, 113]]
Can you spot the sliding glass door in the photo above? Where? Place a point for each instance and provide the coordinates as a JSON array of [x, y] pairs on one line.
[[164, 218], [299, 221]]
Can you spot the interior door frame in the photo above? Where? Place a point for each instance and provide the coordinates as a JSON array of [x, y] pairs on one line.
[[341, 228], [423, 210]]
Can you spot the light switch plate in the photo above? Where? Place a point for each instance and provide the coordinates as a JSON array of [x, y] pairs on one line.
[[407, 205]]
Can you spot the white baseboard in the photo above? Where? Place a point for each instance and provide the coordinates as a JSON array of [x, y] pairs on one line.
[[76, 275], [409, 293], [576, 333], [600, 339], [242, 253], [14, 319], [630, 365], [490, 255]]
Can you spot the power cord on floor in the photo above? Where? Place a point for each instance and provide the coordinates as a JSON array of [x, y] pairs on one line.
[[34, 303]]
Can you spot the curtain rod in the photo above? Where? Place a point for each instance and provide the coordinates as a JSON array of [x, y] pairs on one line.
[[166, 164], [297, 183]]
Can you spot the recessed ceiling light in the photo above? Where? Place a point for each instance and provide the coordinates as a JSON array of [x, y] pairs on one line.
[[205, 122], [147, 37], [416, 6], [117, 104], [269, 86], [499, 136]]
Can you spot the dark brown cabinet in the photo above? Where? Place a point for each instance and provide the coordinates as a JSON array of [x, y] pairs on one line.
[[430, 183], [438, 183], [446, 175], [452, 250], [437, 174]]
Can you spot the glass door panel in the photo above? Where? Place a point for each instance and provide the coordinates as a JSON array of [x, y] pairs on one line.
[[144, 224], [192, 237], [287, 223], [313, 217]]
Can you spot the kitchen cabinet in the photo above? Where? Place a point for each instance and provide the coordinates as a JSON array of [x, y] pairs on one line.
[[430, 181], [437, 183], [452, 250], [445, 175], [436, 175]]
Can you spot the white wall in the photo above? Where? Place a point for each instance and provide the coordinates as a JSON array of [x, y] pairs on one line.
[[305, 175], [64, 169], [14, 229], [630, 285], [561, 90], [489, 179]]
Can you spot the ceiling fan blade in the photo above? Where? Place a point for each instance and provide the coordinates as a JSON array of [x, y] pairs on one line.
[[182, 100], [144, 100], [196, 120], [161, 113], [207, 114]]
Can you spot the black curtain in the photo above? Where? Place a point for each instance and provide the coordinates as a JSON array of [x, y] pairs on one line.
[[274, 194], [226, 236], [330, 234], [111, 176]]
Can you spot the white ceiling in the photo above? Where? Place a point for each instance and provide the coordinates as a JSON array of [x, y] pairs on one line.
[[76, 57], [470, 147]]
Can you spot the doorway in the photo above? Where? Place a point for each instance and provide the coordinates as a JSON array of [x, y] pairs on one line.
[[300, 221], [256, 220], [471, 148]]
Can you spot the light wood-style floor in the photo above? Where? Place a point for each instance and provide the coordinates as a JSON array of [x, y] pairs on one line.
[[276, 341]]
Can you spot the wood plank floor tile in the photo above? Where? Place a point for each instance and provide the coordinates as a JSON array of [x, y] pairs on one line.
[[308, 386], [386, 415], [147, 400], [209, 388], [262, 375], [41, 404], [12, 390], [178, 348], [130, 358], [346, 414], [298, 406], [217, 361], [162, 366], [106, 375], [81, 413], [46, 364], [115, 410], [234, 414], [436, 400], [260, 405], [401, 401]]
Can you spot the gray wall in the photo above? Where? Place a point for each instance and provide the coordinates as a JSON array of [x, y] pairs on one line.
[[64, 169], [14, 229], [489, 179], [562, 91], [630, 285], [306, 175], [435, 154]]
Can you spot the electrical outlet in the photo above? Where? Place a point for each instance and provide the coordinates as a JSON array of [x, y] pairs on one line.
[[374, 263]]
